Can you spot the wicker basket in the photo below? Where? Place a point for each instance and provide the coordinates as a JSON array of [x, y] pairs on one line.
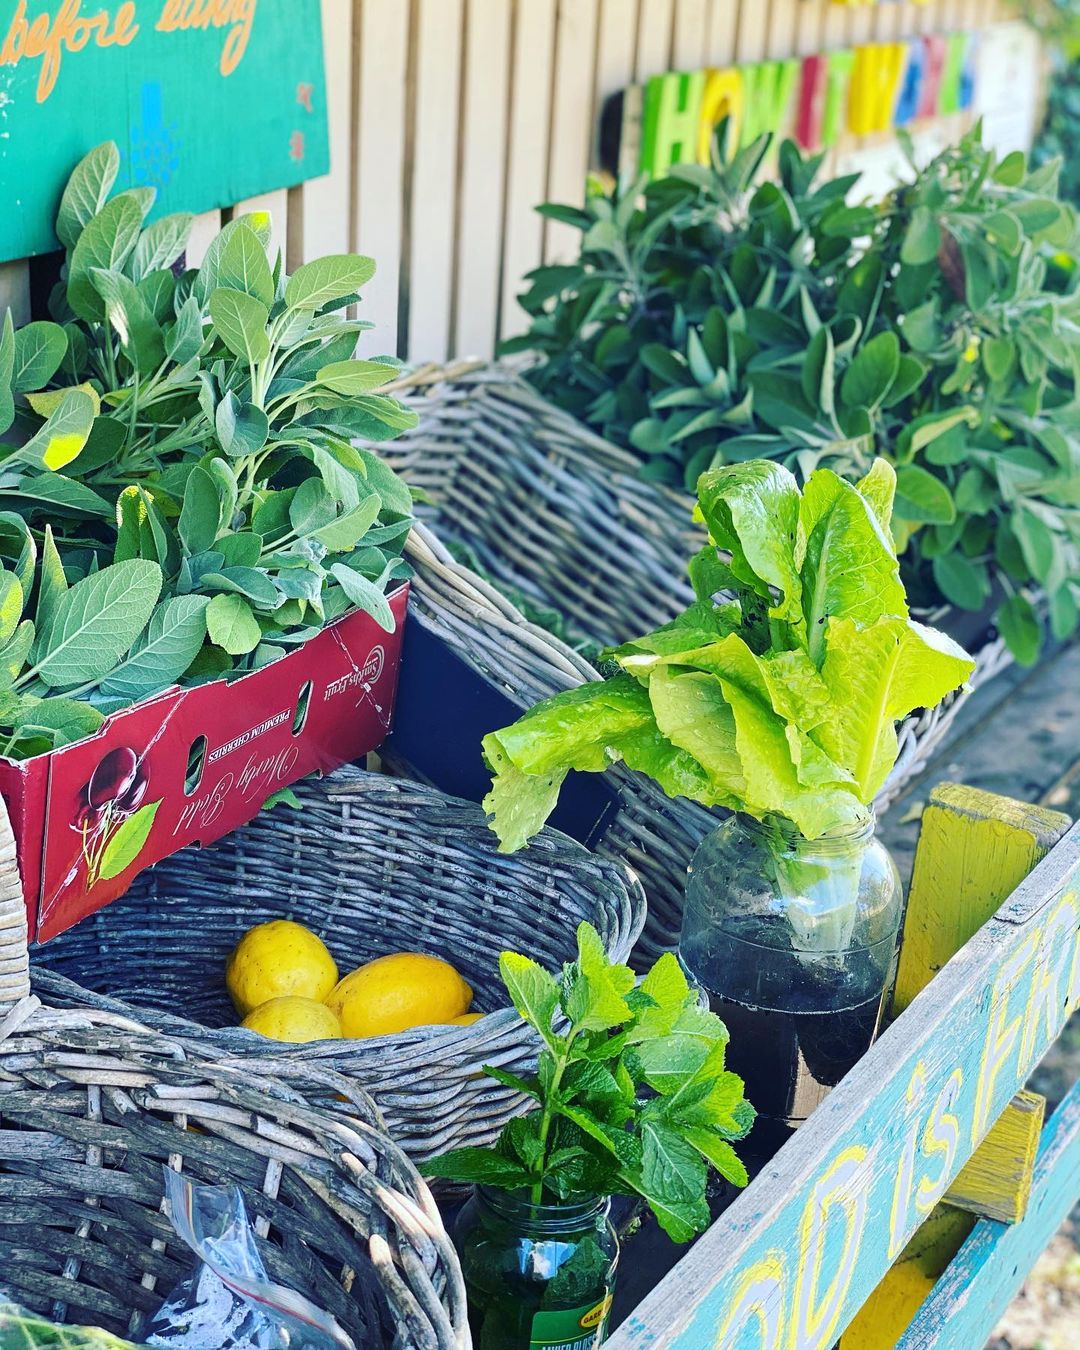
[[92, 1105], [374, 865], [652, 833], [559, 514]]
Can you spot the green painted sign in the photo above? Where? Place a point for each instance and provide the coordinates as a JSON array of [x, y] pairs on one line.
[[210, 102]]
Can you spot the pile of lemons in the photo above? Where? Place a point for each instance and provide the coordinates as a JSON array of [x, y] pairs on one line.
[[284, 983]]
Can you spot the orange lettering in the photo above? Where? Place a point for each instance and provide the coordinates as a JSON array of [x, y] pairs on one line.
[[16, 37], [236, 42]]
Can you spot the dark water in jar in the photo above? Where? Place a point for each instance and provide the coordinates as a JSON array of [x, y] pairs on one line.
[[790, 1060]]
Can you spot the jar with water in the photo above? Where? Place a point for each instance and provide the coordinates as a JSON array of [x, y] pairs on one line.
[[794, 941]]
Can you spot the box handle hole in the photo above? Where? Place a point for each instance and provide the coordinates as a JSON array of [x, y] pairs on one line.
[[196, 762], [302, 702]]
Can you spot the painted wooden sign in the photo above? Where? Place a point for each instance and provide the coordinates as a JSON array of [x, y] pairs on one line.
[[789, 1264], [210, 101], [871, 88]]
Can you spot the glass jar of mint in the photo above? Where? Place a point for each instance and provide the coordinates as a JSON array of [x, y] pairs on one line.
[[794, 941], [537, 1274]]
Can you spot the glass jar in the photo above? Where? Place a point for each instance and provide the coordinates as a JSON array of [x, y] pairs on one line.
[[794, 941], [536, 1275]]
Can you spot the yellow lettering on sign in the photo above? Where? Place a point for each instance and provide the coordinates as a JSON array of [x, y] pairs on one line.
[[758, 1301], [723, 97], [905, 1169], [1049, 999], [842, 1186], [1002, 1033], [941, 1135]]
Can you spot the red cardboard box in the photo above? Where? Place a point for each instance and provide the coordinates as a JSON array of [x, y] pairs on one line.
[[189, 765]]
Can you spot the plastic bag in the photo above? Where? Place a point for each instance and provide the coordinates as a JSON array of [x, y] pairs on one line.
[[228, 1303]]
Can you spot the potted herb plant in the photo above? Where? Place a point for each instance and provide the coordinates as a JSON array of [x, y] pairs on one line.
[[775, 695], [632, 1098], [710, 319], [182, 503]]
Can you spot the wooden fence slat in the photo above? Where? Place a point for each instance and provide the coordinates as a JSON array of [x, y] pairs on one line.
[[689, 34], [526, 180], [431, 187], [483, 163], [654, 38], [206, 226], [276, 206], [570, 147], [721, 31], [798, 1254], [325, 202], [974, 850], [381, 40], [981, 1280], [15, 291], [996, 1180]]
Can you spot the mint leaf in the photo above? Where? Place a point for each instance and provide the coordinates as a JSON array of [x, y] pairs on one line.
[[533, 992], [478, 1166]]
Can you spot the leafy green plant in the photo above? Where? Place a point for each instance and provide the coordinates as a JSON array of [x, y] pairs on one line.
[[631, 1091], [777, 692], [24, 1331], [194, 429], [708, 321]]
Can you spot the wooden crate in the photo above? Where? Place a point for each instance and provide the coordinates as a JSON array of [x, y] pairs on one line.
[[791, 1262]]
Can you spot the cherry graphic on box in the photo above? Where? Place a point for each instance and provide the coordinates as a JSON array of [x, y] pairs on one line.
[[111, 817]]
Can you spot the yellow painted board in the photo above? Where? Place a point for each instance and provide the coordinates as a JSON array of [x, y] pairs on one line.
[[974, 850]]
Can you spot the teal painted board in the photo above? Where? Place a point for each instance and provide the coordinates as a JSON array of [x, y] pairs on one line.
[[210, 102], [992, 1264], [795, 1257]]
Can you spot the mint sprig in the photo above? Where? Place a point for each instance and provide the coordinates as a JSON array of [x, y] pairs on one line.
[[631, 1091]]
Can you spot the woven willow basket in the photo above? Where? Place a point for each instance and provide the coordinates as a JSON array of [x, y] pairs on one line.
[[558, 513], [373, 865], [93, 1104]]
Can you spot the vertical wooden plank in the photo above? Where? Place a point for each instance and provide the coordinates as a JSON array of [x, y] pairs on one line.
[[204, 229], [15, 291], [571, 133], [655, 19], [974, 849], [782, 33], [380, 46], [526, 171], [721, 32], [323, 215], [274, 204], [808, 27], [753, 31], [616, 39], [688, 39], [483, 163], [995, 1182], [430, 204]]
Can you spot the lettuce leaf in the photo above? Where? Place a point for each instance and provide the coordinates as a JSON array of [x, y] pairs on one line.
[[752, 511], [876, 675], [849, 567], [777, 691]]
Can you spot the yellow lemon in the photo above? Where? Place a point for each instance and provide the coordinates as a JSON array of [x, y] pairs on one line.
[[392, 993], [275, 959], [466, 1019], [291, 1018]]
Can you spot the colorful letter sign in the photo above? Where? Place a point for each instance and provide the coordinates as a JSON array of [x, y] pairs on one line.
[[210, 101], [866, 90]]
